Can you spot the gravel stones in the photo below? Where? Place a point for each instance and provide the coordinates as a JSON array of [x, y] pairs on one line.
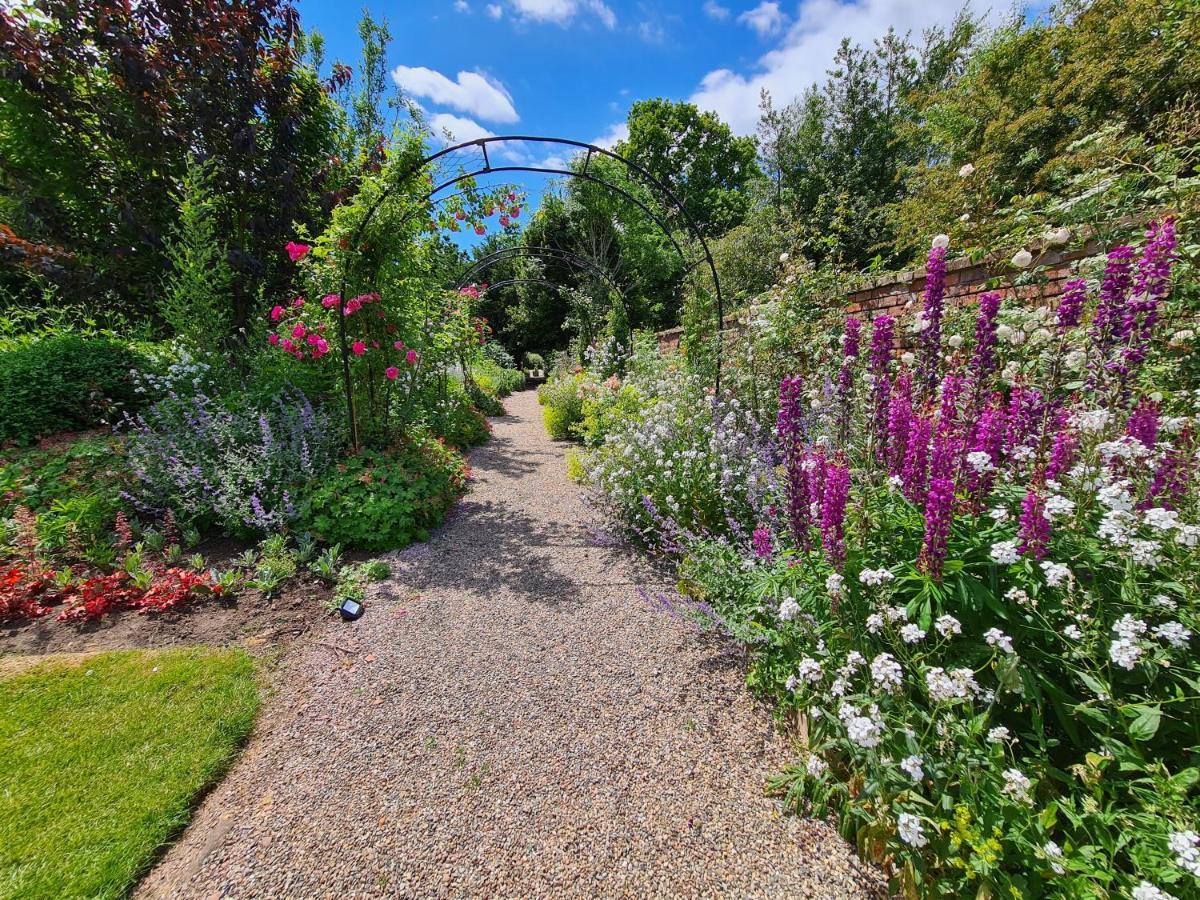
[[509, 719]]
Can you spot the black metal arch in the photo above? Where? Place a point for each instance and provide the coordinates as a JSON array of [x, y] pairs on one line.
[[571, 258], [639, 172]]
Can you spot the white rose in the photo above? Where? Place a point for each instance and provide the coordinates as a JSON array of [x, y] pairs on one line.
[[1023, 259], [955, 340], [965, 217], [941, 242], [907, 358], [783, 257], [1057, 236], [966, 171]]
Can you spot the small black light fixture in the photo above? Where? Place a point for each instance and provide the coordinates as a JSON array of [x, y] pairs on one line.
[[351, 610]]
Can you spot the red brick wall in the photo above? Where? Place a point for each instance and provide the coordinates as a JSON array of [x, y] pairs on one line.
[[899, 293]]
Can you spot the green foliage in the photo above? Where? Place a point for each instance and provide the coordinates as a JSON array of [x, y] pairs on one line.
[[535, 362], [697, 157], [105, 758], [73, 490], [383, 501], [64, 382], [100, 111], [195, 296], [562, 405]]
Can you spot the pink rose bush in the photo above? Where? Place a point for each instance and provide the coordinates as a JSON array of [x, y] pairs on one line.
[[972, 570]]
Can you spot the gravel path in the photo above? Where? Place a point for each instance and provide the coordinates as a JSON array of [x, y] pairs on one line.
[[509, 719]]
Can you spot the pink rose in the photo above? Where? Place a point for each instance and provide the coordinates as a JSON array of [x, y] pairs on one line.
[[298, 302], [411, 357], [399, 345], [273, 340], [296, 251], [276, 313], [331, 300], [323, 346], [288, 345], [358, 348], [298, 331], [392, 373]]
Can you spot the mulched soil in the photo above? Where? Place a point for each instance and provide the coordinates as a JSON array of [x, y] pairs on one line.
[[256, 622]]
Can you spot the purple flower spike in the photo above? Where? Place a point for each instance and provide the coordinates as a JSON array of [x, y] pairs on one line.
[[939, 510], [833, 512], [1035, 527], [1070, 304], [932, 309]]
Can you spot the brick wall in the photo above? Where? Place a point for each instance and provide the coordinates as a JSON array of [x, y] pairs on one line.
[[899, 293]]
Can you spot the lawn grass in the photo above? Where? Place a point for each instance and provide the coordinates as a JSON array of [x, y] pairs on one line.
[[102, 758]]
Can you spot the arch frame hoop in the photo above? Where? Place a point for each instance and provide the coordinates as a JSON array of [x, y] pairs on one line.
[[642, 174]]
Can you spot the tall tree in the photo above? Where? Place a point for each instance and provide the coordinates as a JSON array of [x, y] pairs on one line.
[[697, 157], [103, 103]]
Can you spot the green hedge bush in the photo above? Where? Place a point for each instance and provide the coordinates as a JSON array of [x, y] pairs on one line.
[[62, 383], [563, 406], [383, 501]]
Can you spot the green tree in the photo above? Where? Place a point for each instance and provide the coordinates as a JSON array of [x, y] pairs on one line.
[[697, 157]]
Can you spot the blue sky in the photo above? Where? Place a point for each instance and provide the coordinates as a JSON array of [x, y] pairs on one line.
[[570, 68]]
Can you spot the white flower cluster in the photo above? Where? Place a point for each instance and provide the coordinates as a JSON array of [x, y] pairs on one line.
[[1186, 847], [911, 830], [875, 577], [864, 730], [949, 687]]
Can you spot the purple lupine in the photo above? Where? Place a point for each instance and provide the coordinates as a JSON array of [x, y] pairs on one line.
[[1150, 286], [1066, 445], [931, 310], [939, 510], [880, 354], [1070, 304], [946, 445], [1114, 292], [1034, 526], [1143, 423], [789, 428], [761, 542], [789, 423], [983, 357], [845, 382], [1025, 409], [987, 437], [915, 475], [833, 512], [899, 423], [1169, 486]]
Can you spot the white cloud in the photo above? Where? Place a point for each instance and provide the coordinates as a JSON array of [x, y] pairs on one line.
[[651, 32], [766, 18], [462, 6], [715, 10], [615, 133], [806, 52], [495, 10], [472, 92], [563, 11], [460, 129]]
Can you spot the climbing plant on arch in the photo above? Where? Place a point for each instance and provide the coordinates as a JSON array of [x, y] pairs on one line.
[[386, 304]]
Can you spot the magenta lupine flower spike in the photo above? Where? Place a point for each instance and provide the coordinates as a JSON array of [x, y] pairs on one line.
[[916, 461], [945, 444], [1035, 527], [1071, 303], [899, 424], [1150, 286], [833, 512], [1143, 423], [1066, 445], [850, 347], [939, 511], [987, 437], [931, 311], [762, 542], [882, 335], [983, 358], [1169, 486]]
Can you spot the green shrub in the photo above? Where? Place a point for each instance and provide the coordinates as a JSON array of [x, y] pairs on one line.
[[382, 501], [62, 383], [535, 361], [497, 380], [563, 402]]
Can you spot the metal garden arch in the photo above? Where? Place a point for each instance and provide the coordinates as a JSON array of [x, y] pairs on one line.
[[583, 172]]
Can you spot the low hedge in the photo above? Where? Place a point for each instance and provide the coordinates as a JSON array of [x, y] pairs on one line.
[[62, 383]]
